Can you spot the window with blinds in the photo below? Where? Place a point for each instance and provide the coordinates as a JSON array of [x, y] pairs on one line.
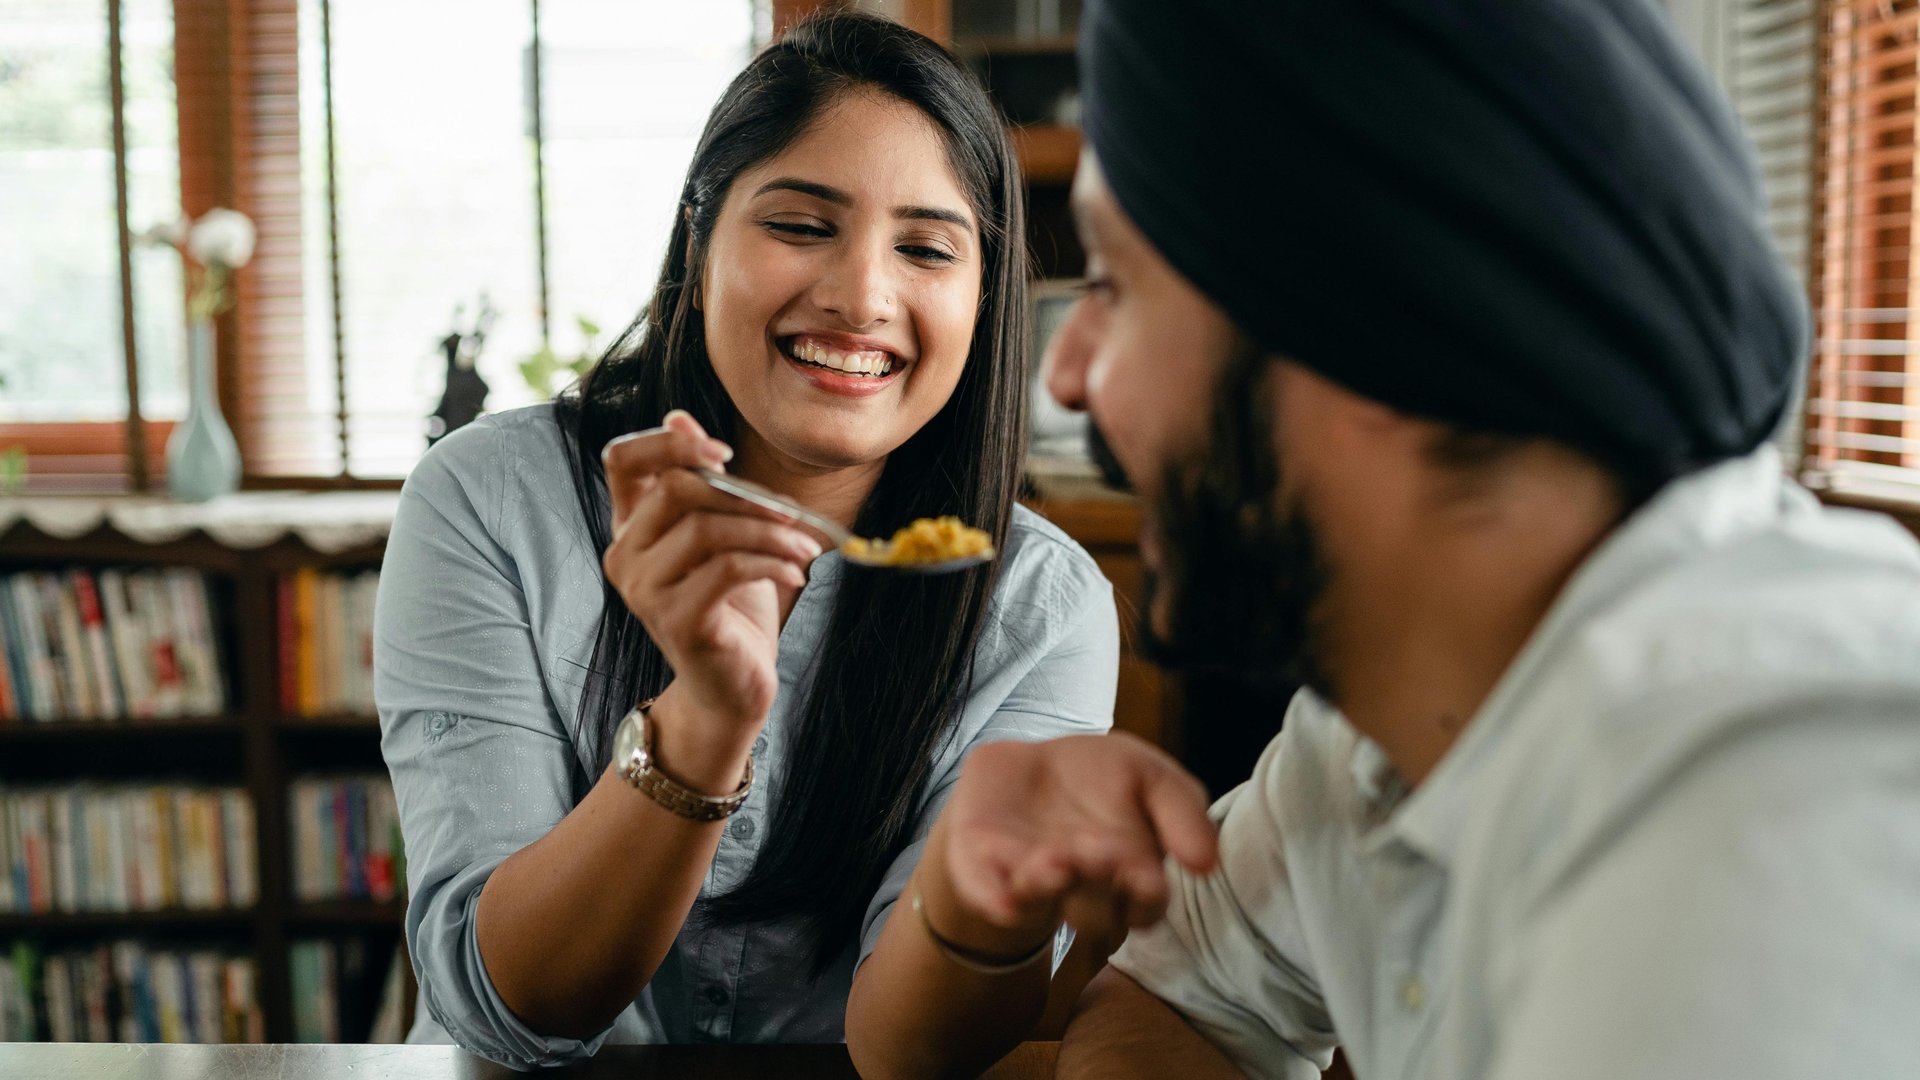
[[409, 170], [1863, 409], [1772, 70], [404, 168], [88, 141]]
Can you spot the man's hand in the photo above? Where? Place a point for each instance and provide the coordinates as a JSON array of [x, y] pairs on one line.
[[1076, 830]]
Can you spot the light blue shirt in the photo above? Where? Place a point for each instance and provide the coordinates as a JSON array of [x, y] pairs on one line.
[[1679, 841], [490, 596]]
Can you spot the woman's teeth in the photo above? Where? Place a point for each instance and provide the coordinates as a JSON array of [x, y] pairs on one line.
[[854, 363]]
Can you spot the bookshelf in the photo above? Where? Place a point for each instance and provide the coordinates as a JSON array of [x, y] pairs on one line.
[[252, 744]]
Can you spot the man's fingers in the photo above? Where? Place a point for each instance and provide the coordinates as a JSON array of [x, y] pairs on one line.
[[1095, 913], [982, 875], [1143, 884], [1042, 875], [1177, 805]]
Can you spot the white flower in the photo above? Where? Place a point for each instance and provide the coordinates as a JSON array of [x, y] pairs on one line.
[[222, 238], [169, 233]]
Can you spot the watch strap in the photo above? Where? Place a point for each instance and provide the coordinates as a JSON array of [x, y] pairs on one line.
[[639, 768]]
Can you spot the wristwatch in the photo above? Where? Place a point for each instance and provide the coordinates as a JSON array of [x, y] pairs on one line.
[[633, 757]]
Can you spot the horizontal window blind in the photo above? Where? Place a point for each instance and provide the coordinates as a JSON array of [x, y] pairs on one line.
[[1772, 71], [284, 424], [1863, 408], [394, 163]]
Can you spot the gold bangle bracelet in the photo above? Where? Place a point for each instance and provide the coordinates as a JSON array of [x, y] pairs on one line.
[[972, 959]]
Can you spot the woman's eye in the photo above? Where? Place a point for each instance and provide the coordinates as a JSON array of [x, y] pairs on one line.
[[927, 254], [795, 228]]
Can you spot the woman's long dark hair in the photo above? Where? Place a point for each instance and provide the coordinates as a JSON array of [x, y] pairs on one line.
[[891, 675]]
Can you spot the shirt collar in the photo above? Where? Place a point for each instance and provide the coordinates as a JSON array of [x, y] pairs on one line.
[[1696, 513]]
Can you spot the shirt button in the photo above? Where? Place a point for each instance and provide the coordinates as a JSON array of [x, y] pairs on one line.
[[716, 996], [437, 723], [741, 829], [1413, 993], [759, 745]]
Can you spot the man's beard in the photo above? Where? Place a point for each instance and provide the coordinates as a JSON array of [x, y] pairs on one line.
[[1242, 569]]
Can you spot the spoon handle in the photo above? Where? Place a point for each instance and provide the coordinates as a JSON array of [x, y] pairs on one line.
[[759, 496]]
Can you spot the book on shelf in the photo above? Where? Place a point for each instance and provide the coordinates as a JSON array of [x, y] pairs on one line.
[[325, 628], [120, 848], [346, 838], [128, 991], [336, 997], [108, 645]]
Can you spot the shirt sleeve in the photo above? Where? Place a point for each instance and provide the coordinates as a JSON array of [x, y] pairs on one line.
[[1230, 956], [482, 765], [1067, 690], [1755, 918]]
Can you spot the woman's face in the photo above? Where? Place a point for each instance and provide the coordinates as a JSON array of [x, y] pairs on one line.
[[841, 286]]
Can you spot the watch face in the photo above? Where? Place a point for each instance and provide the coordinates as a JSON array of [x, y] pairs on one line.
[[626, 742]]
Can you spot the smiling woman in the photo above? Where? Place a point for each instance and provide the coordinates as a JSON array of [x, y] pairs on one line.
[[840, 288], [839, 318]]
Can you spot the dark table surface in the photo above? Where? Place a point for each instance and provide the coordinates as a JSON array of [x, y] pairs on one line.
[[122, 1061]]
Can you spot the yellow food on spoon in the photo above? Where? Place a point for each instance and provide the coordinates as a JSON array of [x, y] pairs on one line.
[[928, 540]]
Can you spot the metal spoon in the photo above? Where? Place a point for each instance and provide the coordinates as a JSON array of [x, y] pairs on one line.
[[780, 504]]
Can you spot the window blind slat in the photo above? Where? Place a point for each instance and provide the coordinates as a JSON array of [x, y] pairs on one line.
[[1863, 408]]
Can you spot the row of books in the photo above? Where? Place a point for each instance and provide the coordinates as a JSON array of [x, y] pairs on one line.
[[128, 991], [96, 847], [334, 992], [326, 642], [346, 838], [108, 644]]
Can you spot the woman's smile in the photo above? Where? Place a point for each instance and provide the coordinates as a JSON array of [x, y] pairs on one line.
[[840, 364]]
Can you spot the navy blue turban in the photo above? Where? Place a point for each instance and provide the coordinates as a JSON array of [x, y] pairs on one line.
[[1530, 217]]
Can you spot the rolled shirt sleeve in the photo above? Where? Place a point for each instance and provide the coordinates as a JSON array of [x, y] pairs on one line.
[[482, 765], [1230, 956], [1067, 688]]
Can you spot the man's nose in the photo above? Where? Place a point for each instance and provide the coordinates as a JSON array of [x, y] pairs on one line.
[[1068, 356]]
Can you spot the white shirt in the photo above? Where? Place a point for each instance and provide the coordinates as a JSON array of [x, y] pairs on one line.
[[1680, 839]]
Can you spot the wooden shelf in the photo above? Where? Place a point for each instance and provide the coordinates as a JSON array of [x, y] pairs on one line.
[[363, 723], [1014, 45], [351, 913], [131, 923], [1048, 153], [105, 546], [61, 730]]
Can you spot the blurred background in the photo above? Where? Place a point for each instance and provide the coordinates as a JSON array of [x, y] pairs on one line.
[[405, 171], [196, 834]]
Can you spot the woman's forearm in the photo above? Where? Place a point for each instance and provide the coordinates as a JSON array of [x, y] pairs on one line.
[[914, 1012], [572, 926]]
